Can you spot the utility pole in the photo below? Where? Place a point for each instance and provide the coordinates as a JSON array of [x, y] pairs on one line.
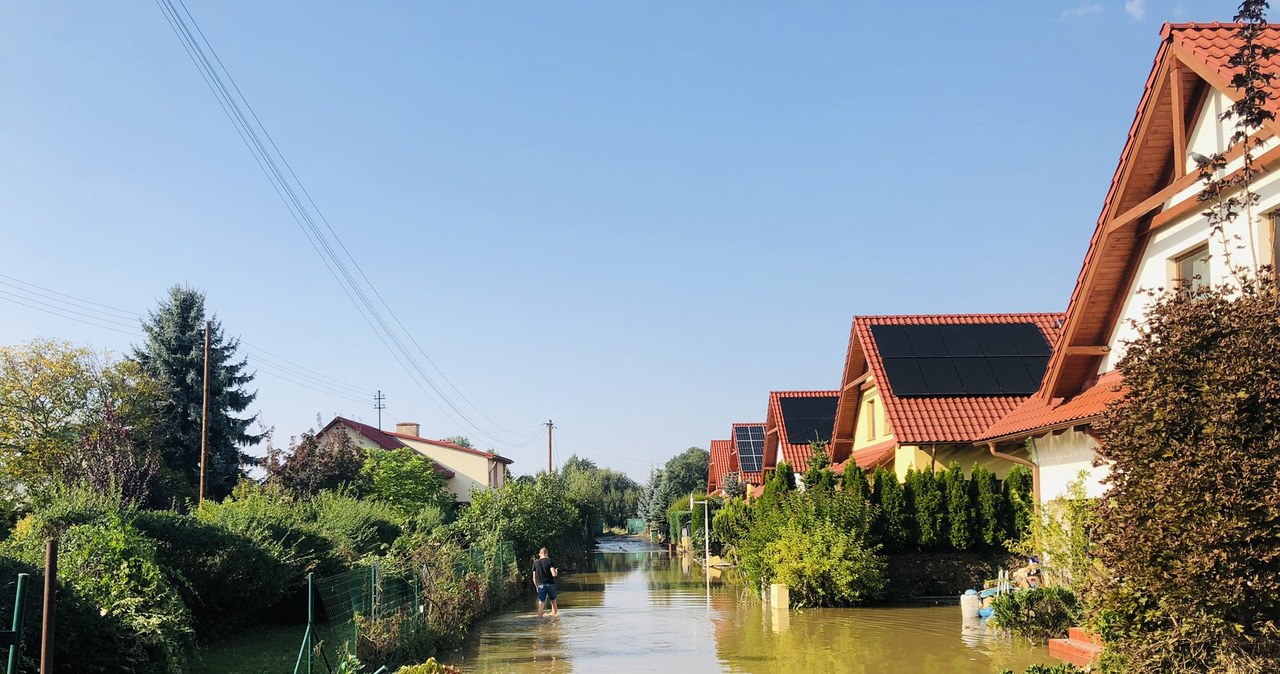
[[549, 426], [204, 415], [378, 405]]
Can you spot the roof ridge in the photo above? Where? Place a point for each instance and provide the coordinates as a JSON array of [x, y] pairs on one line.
[[969, 315]]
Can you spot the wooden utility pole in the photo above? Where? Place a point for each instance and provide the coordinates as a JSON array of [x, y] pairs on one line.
[[204, 415], [549, 427], [50, 603]]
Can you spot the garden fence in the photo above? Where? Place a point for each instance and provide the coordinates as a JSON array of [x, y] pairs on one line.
[[371, 611]]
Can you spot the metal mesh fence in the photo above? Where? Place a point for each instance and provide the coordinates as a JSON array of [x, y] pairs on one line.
[[377, 615]]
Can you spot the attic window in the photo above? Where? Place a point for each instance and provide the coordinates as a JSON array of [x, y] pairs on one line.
[[1192, 268]]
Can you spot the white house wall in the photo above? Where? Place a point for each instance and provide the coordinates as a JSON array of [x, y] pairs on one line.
[[1062, 457], [470, 471], [1187, 233]]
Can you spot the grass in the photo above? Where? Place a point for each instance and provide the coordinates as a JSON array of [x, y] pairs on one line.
[[261, 650]]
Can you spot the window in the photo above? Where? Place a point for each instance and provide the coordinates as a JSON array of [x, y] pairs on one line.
[[1192, 268], [1275, 242], [871, 420]]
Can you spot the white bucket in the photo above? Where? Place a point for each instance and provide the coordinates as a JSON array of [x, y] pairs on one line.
[[970, 604]]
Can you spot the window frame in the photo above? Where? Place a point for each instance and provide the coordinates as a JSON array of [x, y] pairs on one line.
[[1188, 258]]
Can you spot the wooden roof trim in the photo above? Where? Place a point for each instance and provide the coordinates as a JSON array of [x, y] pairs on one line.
[[1170, 57]]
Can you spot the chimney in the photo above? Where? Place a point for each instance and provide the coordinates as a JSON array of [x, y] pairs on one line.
[[408, 428]]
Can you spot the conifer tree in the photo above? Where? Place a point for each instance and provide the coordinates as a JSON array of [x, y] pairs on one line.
[[931, 514], [891, 518], [1018, 497], [173, 353], [818, 462], [855, 479], [959, 508], [988, 506]]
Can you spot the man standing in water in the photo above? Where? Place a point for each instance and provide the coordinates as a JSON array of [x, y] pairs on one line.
[[544, 578]]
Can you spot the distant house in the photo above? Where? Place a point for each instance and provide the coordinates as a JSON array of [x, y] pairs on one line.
[[466, 469], [1151, 234], [723, 462], [918, 391], [794, 419], [746, 446]]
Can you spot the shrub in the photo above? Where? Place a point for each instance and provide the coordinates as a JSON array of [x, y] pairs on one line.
[[1063, 537], [122, 613], [1061, 668], [278, 523], [406, 480], [824, 566], [1042, 613], [429, 667], [357, 528], [223, 578], [1018, 497]]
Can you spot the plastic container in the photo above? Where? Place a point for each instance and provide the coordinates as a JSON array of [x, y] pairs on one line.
[[970, 604]]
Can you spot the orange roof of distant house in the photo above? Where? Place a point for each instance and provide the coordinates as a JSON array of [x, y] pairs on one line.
[[780, 431], [722, 462], [871, 456], [934, 419], [1037, 415]]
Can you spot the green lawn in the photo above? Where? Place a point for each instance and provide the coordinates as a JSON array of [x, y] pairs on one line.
[[260, 650]]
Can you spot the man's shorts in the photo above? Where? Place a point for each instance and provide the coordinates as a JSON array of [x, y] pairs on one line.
[[547, 591]]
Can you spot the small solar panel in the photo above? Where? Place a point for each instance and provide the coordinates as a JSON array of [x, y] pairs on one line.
[[749, 439], [808, 418], [962, 359]]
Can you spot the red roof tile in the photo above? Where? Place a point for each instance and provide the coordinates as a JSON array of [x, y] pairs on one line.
[[775, 431], [1035, 415], [939, 419], [722, 461], [871, 456], [1215, 43]]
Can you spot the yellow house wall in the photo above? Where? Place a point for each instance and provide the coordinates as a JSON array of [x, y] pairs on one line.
[[470, 471], [881, 423], [921, 457]]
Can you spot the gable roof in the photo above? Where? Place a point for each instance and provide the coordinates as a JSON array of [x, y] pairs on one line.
[[723, 461], [812, 418], [1192, 60], [382, 439], [457, 448], [923, 419]]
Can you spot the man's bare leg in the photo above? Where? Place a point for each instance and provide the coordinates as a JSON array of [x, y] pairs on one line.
[[540, 608], [555, 609]]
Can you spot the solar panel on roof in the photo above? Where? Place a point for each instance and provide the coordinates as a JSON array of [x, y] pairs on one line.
[[750, 442], [808, 418], [962, 359]]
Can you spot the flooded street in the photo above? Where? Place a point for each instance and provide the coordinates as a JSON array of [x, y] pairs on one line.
[[643, 612]]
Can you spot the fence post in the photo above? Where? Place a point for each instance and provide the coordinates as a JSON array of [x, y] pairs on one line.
[[309, 637], [19, 600], [50, 604]]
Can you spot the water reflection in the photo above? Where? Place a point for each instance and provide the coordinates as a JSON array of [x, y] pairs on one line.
[[645, 612]]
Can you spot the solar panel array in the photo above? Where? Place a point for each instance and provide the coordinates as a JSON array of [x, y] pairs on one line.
[[963, 359], [749, 439], [808, 419]]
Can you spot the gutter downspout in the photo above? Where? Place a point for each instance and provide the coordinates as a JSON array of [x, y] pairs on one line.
[[1035, 472]]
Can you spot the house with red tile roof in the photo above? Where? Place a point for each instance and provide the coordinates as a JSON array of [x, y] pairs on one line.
[[794, 419], [466, 469], [723, 462], [1151, 235], [917, 391], [746, 449]]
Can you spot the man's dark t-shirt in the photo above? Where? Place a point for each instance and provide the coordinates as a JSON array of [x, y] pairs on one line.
[[542, 571]]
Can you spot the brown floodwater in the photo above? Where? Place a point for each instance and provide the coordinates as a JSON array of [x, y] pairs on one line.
[[646, 612]]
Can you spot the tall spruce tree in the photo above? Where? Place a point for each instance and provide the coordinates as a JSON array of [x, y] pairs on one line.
[[989, 507], [174, 354]]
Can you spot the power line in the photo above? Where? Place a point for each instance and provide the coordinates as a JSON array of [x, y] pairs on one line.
[[597, 449], [67, 306], [284, 188]]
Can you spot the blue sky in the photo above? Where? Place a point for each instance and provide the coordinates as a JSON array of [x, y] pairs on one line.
[[636, 219]]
